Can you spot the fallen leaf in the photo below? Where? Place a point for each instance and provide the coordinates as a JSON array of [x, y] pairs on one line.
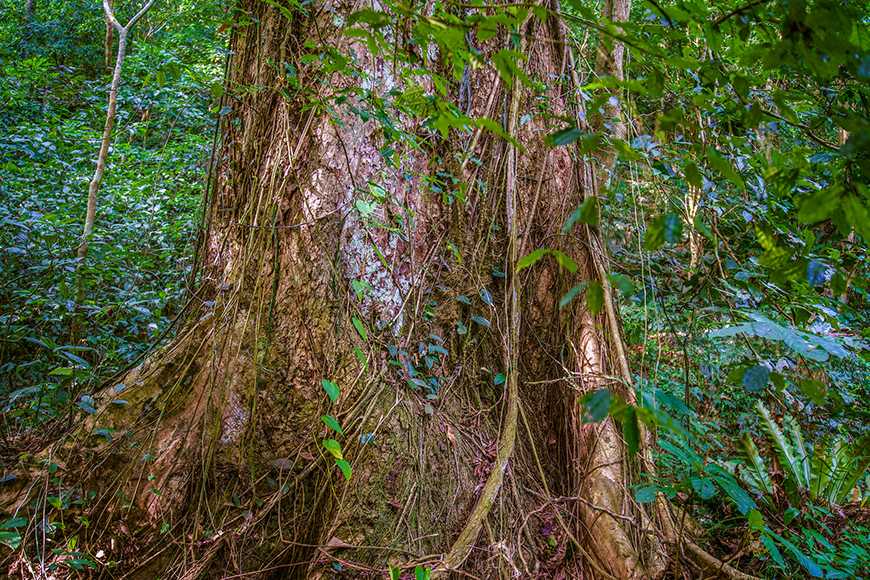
[[336, 543]]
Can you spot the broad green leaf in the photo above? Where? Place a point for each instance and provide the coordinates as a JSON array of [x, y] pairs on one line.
[[805, 561], [723, 166], [561, 258], [359, 327], [624, 283], [693, 175], [805, 344], [531, 258], [333, 447], [572, 293], [673, 228], [814, 390], [344, 466], [565, 261], [654, 237], [596, 405], [331, 389], [820, 204], [858, 216], [594, 297], [624, 149], [332, 423], [645, 495], [727, 482], [756, 521], [563, 136], [756, 378], [703, 486], [481, 321]]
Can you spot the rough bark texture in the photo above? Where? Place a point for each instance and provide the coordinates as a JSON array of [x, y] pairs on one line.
[[219, 444]]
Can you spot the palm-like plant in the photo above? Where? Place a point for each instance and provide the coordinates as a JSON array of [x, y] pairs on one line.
[[828, 473]]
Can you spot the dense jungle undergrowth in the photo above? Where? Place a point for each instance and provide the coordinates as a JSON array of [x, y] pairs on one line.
[[461, 289]]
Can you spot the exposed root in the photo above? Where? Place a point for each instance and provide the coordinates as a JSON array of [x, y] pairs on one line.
[[712, 566]]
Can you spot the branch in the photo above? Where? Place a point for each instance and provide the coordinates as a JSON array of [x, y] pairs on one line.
[[110, 15], [737, 11]]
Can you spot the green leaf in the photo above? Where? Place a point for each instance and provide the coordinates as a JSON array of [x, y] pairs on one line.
[[331, 389], [561, 258], [727, 482], [481, 321], [624, 149], [814, 390], [565, 261], [594, 297], [624, 283], [693, 175], [673, 228], [395, 573], [563, 136], [631, 432], [344, 466], [421, 573], [577, 215], [820, 204], [531, 258], [359, 327], [572, 294], [596, 405], [808, 345], [332, 423], [654, 237], [858, 216], [703, 486], [723, 166], [333, 447], [756, 521], [645, 495], [805, 561], [756, 378]]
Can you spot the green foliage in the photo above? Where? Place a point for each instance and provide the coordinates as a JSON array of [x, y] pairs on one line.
[[53, 109], [829, 472]]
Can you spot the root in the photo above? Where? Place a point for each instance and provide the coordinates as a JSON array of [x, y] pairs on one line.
[[465, 542], [712, 566]]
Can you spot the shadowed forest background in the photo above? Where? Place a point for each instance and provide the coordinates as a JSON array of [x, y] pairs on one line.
[[437, 289]]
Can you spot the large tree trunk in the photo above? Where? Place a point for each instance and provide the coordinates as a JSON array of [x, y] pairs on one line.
[[325, 262]]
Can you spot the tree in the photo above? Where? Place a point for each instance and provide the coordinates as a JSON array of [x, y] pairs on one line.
[[379, 362], [102, 157]]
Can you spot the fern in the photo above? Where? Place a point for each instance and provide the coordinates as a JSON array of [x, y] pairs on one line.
[[755, 473], [783, 447]]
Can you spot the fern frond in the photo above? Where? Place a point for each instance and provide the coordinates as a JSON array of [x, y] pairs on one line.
[[755, 472]]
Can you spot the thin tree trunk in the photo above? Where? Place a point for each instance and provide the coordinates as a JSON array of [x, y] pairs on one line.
[[94, 186], [29, 12], [107, 44]]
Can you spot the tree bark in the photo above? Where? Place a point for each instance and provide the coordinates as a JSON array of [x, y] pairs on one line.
[[29, 11], [334, 268], [107, 43]]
